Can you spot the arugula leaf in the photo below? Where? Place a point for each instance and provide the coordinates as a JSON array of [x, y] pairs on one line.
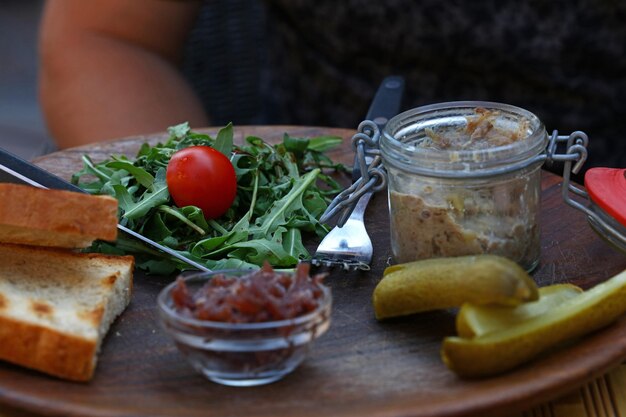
[[142, 176], [156, 229], [295, 145], [285, 206], [257, 251], [179, 131], [224, 140], [324, 143], [124, 199], [156, 195], [209, 245], [292, 243], [100, 171], [180, 216]]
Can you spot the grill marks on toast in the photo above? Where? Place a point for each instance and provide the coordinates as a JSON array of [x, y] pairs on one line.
[[94, 317], [56, 306], [41, 308], [110, 280]]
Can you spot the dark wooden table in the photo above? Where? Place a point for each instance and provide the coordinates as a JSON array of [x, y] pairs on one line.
[[360, 367]]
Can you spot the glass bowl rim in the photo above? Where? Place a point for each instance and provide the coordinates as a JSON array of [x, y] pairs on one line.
[[171, 313]]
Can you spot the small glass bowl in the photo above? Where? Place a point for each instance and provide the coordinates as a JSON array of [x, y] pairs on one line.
[[242, 354]]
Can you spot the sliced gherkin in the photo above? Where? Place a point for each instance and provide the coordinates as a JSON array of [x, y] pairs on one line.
[[501, 351], [478, 320]]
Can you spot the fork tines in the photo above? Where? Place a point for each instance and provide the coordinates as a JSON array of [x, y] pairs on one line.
[[344, 264]]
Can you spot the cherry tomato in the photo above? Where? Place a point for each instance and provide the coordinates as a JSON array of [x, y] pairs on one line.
[[203, 177]]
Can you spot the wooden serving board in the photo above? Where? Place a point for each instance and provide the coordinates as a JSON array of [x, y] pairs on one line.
[[360, 367]]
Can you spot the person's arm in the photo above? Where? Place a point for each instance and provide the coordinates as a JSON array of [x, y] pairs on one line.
[[109, 68]]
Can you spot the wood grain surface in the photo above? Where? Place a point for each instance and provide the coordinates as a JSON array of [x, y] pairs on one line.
[[360, 367]]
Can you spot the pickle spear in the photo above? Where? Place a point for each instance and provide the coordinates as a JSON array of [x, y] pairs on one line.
[[478, 320], [500, 351], [441, 283]]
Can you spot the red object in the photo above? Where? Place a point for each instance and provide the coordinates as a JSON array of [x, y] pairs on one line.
[[607, 189], [203, 177]]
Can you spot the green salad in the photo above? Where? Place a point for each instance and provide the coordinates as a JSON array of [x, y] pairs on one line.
[[281, 192]]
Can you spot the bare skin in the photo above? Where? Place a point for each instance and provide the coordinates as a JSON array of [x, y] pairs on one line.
[[109, 68]]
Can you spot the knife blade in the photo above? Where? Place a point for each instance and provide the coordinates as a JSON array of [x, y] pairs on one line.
[[16, 170]]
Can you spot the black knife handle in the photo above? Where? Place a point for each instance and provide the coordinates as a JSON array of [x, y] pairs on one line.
[[35, 173], [386, 104], [387, 101]]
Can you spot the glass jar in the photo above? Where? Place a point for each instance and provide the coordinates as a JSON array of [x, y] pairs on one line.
[[464, 178]]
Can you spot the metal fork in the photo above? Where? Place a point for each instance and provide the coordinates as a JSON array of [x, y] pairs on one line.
[[349, 246]]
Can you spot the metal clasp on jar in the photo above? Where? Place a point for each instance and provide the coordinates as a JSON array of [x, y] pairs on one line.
[[373, 175], [602, 223]]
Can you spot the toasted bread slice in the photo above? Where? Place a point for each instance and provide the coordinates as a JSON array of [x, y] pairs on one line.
[[55, 218], [56, 307]]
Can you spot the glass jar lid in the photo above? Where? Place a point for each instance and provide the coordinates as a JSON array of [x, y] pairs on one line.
[[463, 139]]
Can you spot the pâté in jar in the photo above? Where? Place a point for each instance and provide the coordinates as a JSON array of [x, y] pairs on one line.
[[464, 178]]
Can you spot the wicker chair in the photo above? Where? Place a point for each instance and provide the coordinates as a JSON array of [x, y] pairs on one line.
[[224, 60]]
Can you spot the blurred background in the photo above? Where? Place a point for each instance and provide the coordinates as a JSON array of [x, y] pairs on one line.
[[22, 129]]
